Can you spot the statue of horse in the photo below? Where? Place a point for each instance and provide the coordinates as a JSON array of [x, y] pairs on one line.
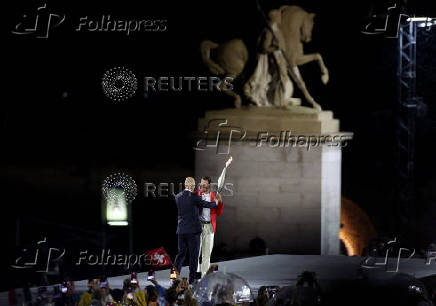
[[289, 27]]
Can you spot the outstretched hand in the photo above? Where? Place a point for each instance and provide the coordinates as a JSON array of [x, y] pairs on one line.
[[218, 197]]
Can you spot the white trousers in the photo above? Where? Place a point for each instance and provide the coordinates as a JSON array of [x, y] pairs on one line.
[[206, 246]]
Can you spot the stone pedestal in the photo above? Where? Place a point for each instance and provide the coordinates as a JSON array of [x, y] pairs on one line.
[[279, 188]]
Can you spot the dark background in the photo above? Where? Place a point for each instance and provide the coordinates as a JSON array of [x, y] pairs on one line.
[[61, 136]]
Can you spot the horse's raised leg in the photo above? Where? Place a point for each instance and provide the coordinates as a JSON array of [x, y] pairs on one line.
[[205, 48], [304, 59], [229, 91], [296, 76]]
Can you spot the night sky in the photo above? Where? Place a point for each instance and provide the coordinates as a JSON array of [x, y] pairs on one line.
[[61, 136]]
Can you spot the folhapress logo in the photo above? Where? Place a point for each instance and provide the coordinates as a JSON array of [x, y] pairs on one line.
[[41, 22], [38, 24], [106, 23]]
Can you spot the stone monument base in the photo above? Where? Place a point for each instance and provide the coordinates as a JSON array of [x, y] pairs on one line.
[[286, 193]]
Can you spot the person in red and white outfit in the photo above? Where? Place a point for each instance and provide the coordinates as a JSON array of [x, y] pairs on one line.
[[208, 220]]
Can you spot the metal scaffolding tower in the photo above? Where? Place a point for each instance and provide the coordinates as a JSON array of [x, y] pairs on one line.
[[406, 118]]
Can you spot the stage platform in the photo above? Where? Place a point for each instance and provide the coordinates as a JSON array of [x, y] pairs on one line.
[[282, 270]]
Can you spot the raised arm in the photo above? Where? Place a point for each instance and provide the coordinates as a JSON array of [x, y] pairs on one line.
[[222, 177]]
